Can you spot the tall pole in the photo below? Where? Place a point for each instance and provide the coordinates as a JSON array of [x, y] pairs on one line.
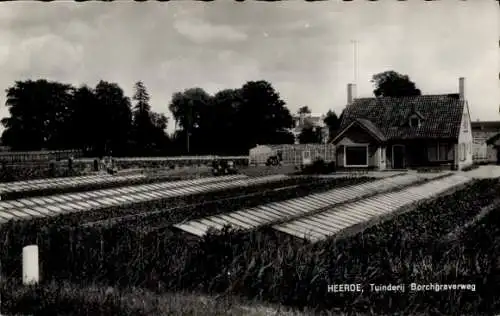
[[190, 123], [355, 61]]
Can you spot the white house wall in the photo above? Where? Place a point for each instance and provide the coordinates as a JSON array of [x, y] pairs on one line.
[[465, 137]]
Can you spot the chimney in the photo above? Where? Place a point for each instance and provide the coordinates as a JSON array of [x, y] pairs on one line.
[[351, 92], [461, 88]]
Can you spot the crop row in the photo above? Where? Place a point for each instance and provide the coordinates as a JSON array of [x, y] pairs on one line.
[[30, 172], [53, 235], [476, 251], [39, 192], [223, 202], [268, 265]]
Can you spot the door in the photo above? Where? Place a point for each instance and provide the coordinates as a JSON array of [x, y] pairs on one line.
[[398, 157], [306, 157]]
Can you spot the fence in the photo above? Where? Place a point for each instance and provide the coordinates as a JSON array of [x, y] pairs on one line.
[[26, 157], [292, 154], [161, 162]]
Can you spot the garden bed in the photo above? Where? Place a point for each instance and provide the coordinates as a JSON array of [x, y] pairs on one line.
[[58, 235], [62, 189], [267, 265]]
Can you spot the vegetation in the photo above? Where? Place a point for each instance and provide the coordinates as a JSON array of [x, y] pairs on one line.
[[263, 263], [64, 233], [81, 187], [393, 84], [34, 171], [471, 167], [63, 298], [318, 166]]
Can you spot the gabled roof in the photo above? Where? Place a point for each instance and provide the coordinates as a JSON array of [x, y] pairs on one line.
[[367, 126], [441, 115]]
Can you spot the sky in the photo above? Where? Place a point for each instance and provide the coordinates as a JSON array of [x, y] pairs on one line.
[[304, 49]]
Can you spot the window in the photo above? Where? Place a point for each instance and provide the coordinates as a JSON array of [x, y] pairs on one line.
[[440, 152], [414, 122], [356, 155], [445, 151], [432, 153], [465, 124]]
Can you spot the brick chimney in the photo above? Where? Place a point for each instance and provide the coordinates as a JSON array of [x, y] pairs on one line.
[[461, 88], [351, 92]]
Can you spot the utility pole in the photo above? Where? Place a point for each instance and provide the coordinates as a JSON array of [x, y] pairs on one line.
[[355, 62], [190, 123]]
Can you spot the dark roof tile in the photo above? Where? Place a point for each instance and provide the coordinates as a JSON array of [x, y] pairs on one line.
[[442, 115], [372, 128]]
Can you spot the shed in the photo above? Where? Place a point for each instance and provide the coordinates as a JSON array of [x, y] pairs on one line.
[[292, 154]]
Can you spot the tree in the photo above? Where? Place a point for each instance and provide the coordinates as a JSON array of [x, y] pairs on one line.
[[263, 117], [142, 97], [187, 108], [304, 110], [114, 119], [393, 84], [332, 122], [143, 124], [310, 134], [159, 139], [39, 112], [86, 108], [221, 124]]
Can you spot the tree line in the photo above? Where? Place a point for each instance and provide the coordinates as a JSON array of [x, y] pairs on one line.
[[102, 120]]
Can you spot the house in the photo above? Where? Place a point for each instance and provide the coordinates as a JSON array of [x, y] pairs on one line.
[[493, 149], [483, 136], [405, 132], [303, 119]]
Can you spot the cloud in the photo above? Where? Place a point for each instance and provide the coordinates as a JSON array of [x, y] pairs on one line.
[[202, 32], [306, 55]]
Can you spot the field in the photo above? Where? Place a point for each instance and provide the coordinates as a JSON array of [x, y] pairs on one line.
[[108, 253]]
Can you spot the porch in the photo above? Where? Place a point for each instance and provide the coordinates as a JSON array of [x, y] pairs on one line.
[[414, 154], [399, 155]]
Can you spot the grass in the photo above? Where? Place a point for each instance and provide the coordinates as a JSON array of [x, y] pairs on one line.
[[63, 298], [471, 257], [267, 265], [58, 235], [27, 172], [282, 270]]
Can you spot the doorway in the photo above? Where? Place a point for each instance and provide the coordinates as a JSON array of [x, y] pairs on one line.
[[398, 156]]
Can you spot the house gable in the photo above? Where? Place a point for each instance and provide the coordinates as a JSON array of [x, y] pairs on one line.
[[465, 139], [440, 115], [359, 132]]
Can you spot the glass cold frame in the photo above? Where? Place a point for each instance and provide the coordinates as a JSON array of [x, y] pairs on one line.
[[52, 205], [356, 212]]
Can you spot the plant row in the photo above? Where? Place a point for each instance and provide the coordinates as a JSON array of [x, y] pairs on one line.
[[58, 235], [160, 217], [90, 186], [27, 172], [474, 253], [268, 265]]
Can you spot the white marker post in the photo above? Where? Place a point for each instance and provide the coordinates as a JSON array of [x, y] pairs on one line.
[[30, 265]]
